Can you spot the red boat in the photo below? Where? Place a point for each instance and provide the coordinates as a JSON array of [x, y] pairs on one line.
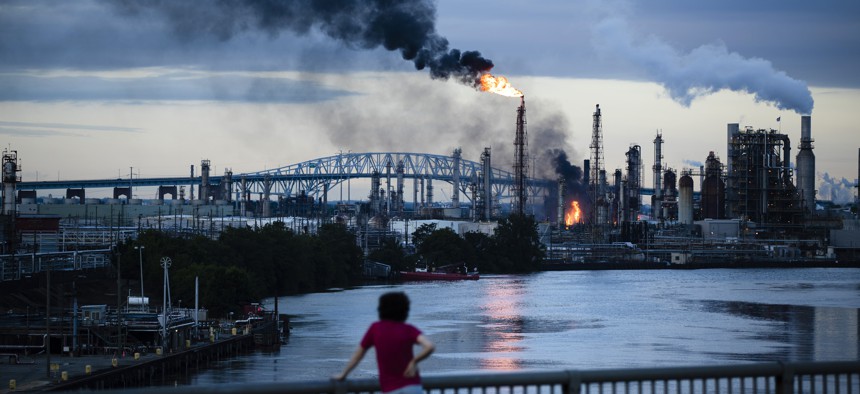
[[449, 272]]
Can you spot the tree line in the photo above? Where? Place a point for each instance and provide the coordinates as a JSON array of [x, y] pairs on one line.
[[247, 264]]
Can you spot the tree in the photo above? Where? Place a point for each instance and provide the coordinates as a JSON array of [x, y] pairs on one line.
[[391, 253], [341, 258], [443, 247], [480, 251], [517, 244], [421, 233]]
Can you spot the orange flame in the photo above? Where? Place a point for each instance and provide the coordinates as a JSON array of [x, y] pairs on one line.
[[574, 215], [498, 85]]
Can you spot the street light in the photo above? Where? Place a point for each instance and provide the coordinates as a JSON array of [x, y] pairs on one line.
[[140, 254]]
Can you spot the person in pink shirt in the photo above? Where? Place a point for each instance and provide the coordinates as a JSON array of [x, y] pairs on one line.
[[393, 339]]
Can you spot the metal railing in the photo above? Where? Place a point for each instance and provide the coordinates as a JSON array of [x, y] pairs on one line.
[[775, 377]]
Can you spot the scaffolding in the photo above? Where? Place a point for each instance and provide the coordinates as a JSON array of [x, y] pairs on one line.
[[761, 177], [521, 167]]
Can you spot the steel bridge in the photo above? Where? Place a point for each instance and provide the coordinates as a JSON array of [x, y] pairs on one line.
[[318, 176]]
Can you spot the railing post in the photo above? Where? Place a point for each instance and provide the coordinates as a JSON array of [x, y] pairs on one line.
[[338, 386], [785, 380], [574, 382]]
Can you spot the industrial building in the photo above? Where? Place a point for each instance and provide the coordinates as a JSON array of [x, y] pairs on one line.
[[753, 205], [754, 187]]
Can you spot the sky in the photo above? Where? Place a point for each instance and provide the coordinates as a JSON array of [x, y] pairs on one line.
[[100, 88]]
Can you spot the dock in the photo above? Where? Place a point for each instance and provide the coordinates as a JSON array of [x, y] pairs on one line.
[[100, 372]]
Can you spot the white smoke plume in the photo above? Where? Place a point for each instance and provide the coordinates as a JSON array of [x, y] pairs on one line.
[[704, 70], [839, 191]]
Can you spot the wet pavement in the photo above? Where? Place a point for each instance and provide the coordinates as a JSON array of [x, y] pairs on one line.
[[31, 372]]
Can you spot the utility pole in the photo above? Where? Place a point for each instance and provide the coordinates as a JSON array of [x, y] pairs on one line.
[[165, 263], [140, 254], [48, 322], [120, 341]]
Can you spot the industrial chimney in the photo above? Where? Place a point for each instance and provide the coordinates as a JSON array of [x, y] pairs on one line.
[[806, 165], [10, 179], [204, 181]]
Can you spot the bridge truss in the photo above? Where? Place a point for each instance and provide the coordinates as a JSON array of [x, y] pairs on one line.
[[318, 176], [315, 177]]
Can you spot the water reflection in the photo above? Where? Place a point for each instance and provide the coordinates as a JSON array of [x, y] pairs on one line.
[[814, 333], [503, 325], [579, 320]]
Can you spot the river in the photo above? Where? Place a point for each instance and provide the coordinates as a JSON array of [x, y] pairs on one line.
[[577, 319]]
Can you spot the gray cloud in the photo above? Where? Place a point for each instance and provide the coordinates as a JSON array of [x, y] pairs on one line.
[[28, 132], [400, 121], [68, 126], [814, 41], [35, 129], [176, 86]]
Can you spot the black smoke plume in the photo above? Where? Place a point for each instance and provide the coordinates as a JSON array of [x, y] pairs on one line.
[[574, 186], [406, 26], [572, 174]]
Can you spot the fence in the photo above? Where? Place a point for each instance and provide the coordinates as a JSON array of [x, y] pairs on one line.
[[14, 267], [775, 377]]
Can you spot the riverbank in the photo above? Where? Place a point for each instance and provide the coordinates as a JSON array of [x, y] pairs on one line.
[[642, 265]]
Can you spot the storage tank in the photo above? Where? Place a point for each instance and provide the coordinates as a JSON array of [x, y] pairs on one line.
[[685, 200]]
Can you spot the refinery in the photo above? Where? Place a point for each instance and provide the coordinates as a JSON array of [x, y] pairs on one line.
[[753, 205], [753, 208]]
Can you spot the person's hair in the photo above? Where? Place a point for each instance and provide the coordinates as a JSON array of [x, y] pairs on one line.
[[393, 306]]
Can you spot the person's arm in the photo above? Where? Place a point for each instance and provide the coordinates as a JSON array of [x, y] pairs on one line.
[[356, 358], [427, 349]]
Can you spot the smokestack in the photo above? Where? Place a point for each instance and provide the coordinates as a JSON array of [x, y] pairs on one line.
[[204, 181], [732, 131], [520, 159], [806, 165], [658, 166], [10, 179], [561, 182], [486, 160], [805, 128], [192, 183], [228, 185]]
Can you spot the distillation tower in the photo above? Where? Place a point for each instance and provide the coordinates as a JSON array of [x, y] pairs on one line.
[[634, 183], [760, 175], [657, 198], [596, 167], [713, 202], [10, 179], [520, 159]]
